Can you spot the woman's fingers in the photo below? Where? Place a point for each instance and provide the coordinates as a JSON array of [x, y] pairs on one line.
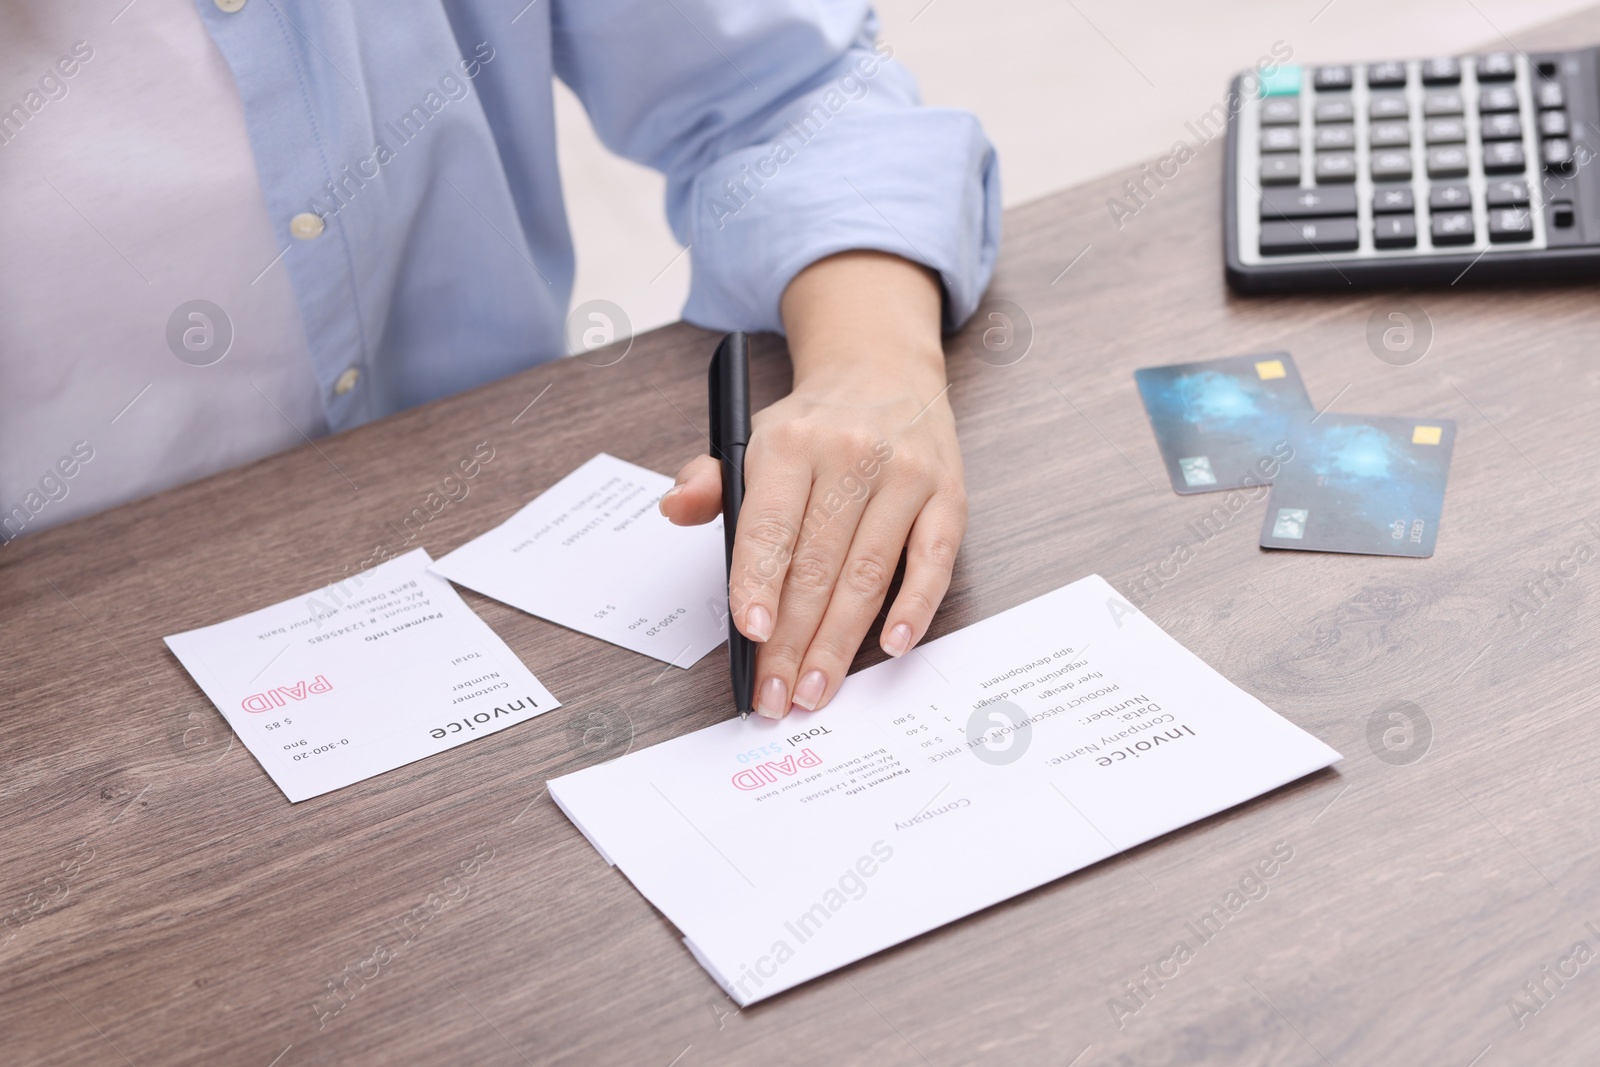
[[864, 577], [818, 542], [930, 559], [827, 527], [696, 499], [777, 486]]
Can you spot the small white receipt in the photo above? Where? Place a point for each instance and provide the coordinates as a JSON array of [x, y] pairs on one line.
[[360, 677], [594, 554], [998, 758]]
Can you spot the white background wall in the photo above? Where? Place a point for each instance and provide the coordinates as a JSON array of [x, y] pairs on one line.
[[1067, 89]]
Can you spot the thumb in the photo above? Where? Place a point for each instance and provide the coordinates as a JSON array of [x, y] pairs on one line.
[[697, 498]]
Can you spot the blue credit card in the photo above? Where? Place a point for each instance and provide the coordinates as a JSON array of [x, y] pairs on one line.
[[1368, 484], [1224, 423]]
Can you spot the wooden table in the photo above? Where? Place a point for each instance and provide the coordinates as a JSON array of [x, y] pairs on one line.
[[168, 906]]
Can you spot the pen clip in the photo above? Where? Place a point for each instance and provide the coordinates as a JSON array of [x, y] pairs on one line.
[[715, 383], [730, 394]]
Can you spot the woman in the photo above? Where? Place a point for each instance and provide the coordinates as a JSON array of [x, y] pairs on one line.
[[357, 204]]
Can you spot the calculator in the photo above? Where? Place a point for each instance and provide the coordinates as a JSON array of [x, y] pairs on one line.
[[1418, 171]]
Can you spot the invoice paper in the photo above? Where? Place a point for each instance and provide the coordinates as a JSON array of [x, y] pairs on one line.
[[987, 763], [594, 554], [360, 677]]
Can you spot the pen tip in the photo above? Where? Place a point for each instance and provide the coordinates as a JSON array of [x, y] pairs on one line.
[[743, 715]]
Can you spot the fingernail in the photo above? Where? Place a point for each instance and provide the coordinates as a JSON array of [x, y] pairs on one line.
[[758, 624], [898, 640], [808, 694], [661, 506], [774, 702]]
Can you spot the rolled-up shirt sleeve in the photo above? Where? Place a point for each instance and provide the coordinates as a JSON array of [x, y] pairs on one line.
[[787, 133]]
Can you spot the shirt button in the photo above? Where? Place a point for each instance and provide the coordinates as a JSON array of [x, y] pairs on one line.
[[347, 380], [306, 226], [230, 6]]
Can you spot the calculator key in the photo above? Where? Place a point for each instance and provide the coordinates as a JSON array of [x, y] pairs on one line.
[[1497, 98], [1497, 67], [1444, 131], [1447, 161], [1549, 94], [1394, 231], [1391, 165], [1336, 167], [1388, 106], [1557, 154], [1510, 224], [1335, 109], [1443, 102], [1444, 70], [1387, 75], [1389, 134], [1392, 198], [1502, 127], [1325, 202], [1504, 157], [1334, 77], [1280, 111], [1453, 228], [1280, 139], [1450, 196], [1280, 169], [1315, 235], [1336, 137], [1507, 192], [1554, 124]]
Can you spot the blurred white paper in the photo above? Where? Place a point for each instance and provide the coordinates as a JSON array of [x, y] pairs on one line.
[[594, 554], [989, 762], [360, 677]]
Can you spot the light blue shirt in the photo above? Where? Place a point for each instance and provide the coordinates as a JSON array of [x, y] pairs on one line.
[[421, 132]]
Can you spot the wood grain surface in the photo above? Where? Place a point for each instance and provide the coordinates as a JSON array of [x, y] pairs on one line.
[[162, 903]]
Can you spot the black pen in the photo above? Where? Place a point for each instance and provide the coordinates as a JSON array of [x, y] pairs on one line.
[[730, 432]]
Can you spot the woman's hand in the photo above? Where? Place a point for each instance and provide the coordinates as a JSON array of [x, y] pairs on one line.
[[859, 462]]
